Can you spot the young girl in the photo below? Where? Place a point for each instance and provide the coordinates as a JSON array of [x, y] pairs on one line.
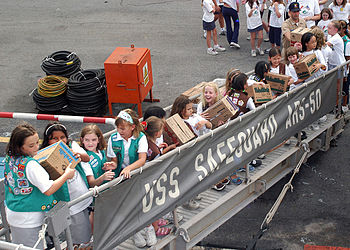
[[293, 58], [277, 66], [28, 188], [340, 9], [326, 17], [276, 20], [183, 106], [91, 139], [230, 74], [80, 227], [321, 44], [260, 70], [210, 95], [308, 43], [209, 25], [254, 25]]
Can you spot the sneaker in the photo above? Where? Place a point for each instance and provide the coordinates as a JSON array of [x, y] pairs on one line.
[[260, 51], [248, 38], [225, 181], [288, 142], [262, 156], [314, 127], [151, 238], [344, 109], [169, 216], [191, 205], [139, 240], [204, 33], [253, 53], [235, 45], [219, 186], [211, 51], [267, 50], [197, 197], [255, 163], [323, 118], [218, 48], [266, 40], [222, 32]]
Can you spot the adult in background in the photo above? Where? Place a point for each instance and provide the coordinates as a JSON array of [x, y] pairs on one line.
[[294, 21], [309, 11], [230, 11]]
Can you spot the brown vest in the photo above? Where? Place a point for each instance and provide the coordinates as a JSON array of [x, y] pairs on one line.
[[240, 99], [282, 69]]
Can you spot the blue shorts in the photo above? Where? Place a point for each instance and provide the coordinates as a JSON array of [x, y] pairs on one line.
[[208, 26], [275, 35], [255, 29]]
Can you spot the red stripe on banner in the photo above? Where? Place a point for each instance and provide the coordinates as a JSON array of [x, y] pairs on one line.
[[94, 120], [47, 117], [6, 114]]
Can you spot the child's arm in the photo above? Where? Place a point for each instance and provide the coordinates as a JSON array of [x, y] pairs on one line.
[[107, 176], [79, 152], [251, 10], [110, 165], [275, 5], [137, 164], [202, 123], [68, 174], [167, 148]]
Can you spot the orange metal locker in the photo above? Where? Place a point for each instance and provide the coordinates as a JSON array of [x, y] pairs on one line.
[[129, 76]]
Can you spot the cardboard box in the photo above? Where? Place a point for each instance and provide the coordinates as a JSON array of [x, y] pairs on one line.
[[178, 130], [196, 90], [295, 35], [222, 110], [56, 158], [277, 82], [260, 93], [304, 68]]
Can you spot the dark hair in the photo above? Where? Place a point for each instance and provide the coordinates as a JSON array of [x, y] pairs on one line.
[[229, 76], [343, 3], [305, 39], [292, 51], [50, 128], [93, 129], [154, 111], [179, 105], [328, 11], [274, 52], [238, 83], [18, 135], [251, 3], [135, 121], [261, 68], [152, 125]]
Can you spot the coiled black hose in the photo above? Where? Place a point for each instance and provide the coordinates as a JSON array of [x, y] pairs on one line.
[[49, 104], [86, 92], [61, 63]]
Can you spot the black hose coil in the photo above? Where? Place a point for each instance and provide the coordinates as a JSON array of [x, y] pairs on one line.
[[61, 63], [86, 92]]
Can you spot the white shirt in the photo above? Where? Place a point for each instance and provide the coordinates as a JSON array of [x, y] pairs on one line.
[[324, 26], [320, 59], [193, 120], [231, 3], [274, 20], [326, 52], [208, 7], [309, 8], [38, 176], [77, 186], [337, 55], [294, 75], [340, 12], [142, 148], [254, 20]]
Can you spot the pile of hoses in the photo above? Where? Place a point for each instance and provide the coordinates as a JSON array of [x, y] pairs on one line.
[[50, 95], [86, 92], [61, 63]]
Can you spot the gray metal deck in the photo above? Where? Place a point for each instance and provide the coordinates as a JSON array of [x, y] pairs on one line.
[[216, 207]]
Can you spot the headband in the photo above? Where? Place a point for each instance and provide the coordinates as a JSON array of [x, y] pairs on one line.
[[125, 116], [56, 124]]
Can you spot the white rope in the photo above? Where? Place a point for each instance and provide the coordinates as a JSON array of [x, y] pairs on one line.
[[228, 121], [212, 134], [41, 235], [19, 247], [195, 141], [95, 191], [141, 169], [240, 118], [178, 150]]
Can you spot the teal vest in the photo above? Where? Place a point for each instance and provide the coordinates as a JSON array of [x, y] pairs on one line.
[[96, 163], [345, 40], [118, 148], [62, 194], [20, 194]]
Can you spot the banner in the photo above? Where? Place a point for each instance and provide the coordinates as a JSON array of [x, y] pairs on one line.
[[124, 209]]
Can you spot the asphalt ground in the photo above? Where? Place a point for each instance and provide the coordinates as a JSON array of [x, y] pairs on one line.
[[318, 209]]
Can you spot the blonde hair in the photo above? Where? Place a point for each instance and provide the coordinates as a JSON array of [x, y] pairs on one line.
[[93, 129], [152, 125], [319, 34], [138, 127], [216, 89], [229, 76]]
